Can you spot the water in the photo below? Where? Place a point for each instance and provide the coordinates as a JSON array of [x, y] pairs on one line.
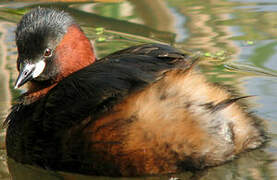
[[238, 38]]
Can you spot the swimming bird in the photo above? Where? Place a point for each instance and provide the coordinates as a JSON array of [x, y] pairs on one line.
[[143, 110]]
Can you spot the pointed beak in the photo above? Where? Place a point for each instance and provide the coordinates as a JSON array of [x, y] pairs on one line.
[[25, 75], [28, 72]]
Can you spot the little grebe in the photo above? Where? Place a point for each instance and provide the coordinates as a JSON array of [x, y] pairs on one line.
[[139, 111]]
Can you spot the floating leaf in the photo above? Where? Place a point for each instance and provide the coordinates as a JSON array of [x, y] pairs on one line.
[[99, 30], [249, 42], [101, 39], [207, 54]]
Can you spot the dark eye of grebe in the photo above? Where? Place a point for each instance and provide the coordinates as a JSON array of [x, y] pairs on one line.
[[47, 52]]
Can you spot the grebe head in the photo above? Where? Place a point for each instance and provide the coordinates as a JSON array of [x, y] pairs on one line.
[[50, 47]]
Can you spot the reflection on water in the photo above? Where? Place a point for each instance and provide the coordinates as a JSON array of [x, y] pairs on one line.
[[256, 164], [238, 39]]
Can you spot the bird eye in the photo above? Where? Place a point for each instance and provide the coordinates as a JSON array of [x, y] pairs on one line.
[[47, 52]]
